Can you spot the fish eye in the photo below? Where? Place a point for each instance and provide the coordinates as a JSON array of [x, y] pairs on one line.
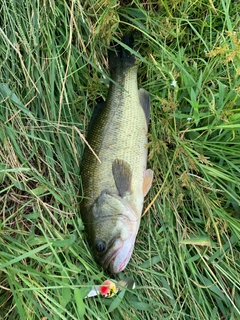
[[100, 246]]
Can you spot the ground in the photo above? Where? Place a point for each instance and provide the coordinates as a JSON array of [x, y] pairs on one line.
[[53, 60]]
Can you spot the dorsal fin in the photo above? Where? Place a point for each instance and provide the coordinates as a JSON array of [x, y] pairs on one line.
[[145, 103]]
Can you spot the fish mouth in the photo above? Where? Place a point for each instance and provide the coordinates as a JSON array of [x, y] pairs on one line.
[[112, 253], [116, 260]]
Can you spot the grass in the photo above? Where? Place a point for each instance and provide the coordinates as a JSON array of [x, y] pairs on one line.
[[186, 261]]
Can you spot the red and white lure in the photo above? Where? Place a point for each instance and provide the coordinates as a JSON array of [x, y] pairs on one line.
[[110, 287]]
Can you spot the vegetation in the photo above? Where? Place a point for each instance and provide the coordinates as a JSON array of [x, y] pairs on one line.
[[186, 261]]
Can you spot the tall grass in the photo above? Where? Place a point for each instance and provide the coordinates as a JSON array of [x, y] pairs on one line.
[[186, 261]]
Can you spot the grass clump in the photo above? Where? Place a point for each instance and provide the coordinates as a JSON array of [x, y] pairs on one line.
[[186, 261]]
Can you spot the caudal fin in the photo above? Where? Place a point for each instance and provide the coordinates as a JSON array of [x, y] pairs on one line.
[[119, 57]]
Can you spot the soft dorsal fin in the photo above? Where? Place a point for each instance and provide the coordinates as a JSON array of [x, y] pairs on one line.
[[122, 175], [145, 103]]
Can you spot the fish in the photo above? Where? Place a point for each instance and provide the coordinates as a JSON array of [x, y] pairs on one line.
[[115, 178]]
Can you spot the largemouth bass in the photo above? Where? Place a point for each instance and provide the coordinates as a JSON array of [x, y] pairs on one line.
[[116, 181]]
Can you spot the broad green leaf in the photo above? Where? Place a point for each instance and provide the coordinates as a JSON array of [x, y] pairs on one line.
[[65, 242], [80, 303], [117, 300]]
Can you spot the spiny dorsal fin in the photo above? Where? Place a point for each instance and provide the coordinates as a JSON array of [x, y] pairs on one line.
[[145, 103], [98, 109], [122, 175]]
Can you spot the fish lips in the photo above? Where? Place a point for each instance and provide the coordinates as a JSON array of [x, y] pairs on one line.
[[118, 257]]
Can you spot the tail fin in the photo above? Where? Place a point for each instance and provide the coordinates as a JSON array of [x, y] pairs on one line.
[[120, 57]]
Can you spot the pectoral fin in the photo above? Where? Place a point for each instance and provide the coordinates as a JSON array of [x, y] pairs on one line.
[[147, 181], [122, 175]]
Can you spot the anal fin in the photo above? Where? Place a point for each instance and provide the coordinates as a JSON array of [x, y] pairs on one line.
[[147, 181]]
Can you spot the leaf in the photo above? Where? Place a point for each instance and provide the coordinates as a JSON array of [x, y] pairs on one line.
[[39, 190], [208, 283], [169, 292], [179, 115], [6, 92], [32, 216], [139, 305], [2, 171], [23, 256], [66, 296], [80, 304], [197, 241], [116, 302], [65, 242], [150, 262]]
